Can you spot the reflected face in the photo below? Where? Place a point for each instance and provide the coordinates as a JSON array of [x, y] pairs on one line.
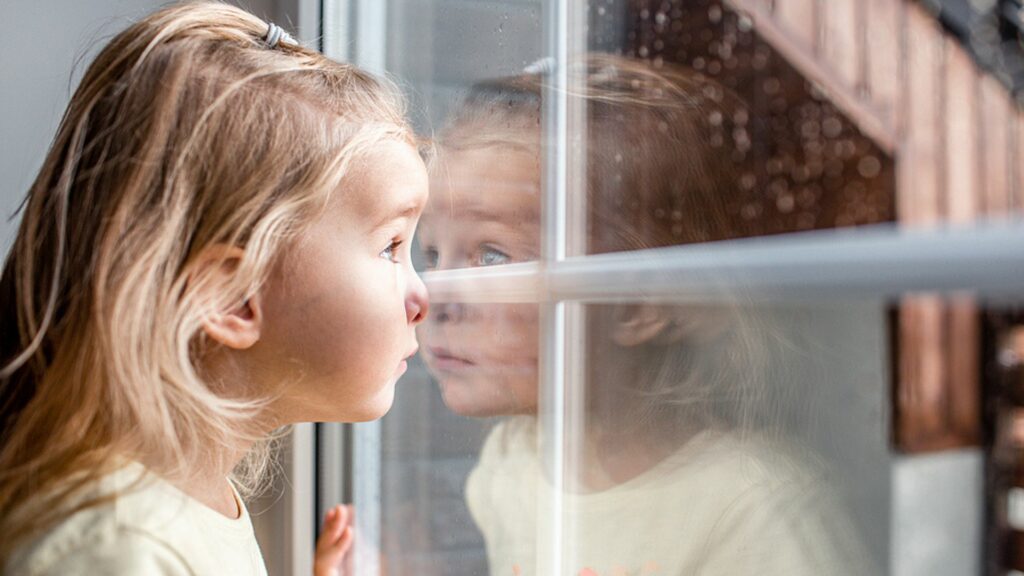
[[483, 211], [341, 307]]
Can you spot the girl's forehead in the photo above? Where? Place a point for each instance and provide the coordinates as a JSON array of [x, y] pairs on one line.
[[485, 183], [504, 167], [389, 181]]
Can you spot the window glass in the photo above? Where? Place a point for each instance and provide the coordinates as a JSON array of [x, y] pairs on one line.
[[616, 411]]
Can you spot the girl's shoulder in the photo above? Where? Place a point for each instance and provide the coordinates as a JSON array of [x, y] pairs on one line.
[[144, 526], [111, 537]]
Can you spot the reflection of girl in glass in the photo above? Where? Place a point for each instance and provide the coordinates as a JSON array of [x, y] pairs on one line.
[[678, 474]]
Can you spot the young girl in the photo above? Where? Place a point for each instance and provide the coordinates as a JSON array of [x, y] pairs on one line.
[[680, 469], [215, 247]]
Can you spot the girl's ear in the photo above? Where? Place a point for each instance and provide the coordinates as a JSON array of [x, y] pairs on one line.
[[238, 329], [240, 326], [637, 324]]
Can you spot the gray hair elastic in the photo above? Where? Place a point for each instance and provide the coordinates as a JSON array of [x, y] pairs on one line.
[[541, 67], [275, 34]]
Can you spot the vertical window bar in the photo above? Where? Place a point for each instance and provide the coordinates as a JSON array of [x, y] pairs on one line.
[[575, 233], [337, 14], [552, 314], [371, 35], [333, 458], [367, 497]]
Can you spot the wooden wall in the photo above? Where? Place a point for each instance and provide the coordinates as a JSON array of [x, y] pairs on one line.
[[954, 132]]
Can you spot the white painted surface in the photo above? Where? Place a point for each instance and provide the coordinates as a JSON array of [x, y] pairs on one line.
[[938, 514]]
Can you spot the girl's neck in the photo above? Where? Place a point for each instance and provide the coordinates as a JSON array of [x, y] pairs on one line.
[[610, 459], [215, 493], [210, 486]]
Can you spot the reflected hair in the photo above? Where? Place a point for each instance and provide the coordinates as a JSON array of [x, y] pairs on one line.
[[188, 132]]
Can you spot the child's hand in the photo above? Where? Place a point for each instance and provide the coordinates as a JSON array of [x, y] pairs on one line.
[[334, 542]]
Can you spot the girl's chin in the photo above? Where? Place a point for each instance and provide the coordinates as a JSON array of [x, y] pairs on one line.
[[477, 401]]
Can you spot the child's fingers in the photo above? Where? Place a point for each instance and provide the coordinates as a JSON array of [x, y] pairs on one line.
[[343, 543], [334, 542], [335, 521]]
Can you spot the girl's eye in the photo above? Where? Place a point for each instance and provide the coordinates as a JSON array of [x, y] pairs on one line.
[[490, 256], [430, 258], [389, 252]]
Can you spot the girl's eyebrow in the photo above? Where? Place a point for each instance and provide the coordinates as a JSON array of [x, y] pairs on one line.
[[405, 211]]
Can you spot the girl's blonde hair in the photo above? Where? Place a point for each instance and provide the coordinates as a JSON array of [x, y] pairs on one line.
[[188, 132]]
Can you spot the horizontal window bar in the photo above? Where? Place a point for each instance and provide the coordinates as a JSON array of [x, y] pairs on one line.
[[870, 262]]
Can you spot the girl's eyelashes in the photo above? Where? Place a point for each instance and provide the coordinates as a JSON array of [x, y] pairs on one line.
[[486, 256], [389, 252], [491, 256]]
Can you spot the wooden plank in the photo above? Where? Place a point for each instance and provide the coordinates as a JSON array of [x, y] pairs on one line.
[[794, 51], [799, 18], [920, 170], [962, 147], [963, 372], [885, 58], [841, 34], [995, 119], [933, 410], [964, 177], [1013, 131], [1018, 164], [921, 399]]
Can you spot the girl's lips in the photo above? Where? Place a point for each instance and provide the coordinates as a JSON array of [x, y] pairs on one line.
[[442, 359]]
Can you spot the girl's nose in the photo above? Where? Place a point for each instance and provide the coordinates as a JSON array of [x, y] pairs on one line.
[[417, 302], [449, 312]]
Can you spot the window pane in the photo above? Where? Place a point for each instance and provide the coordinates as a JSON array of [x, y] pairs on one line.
[[477, 360], [729, 436]]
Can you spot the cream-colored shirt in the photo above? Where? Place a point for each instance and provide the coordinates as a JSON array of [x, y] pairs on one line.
[[152, 528], [719, 506]]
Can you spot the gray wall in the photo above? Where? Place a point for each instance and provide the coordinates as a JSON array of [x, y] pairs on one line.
[[44, 50]]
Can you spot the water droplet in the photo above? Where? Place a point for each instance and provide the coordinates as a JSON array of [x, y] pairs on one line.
[[806, 221], [832, 127], [869, 167], [660, 18], [810, 129], [748, 181], [785, 203], [715, 14], [715, 118]]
